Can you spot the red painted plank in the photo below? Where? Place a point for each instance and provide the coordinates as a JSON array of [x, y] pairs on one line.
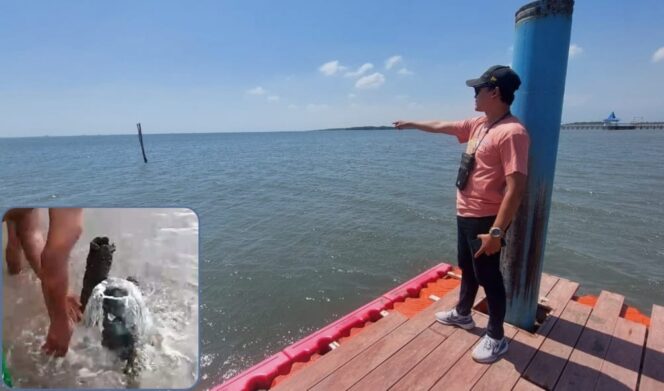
[[404, 360], [652, 375], [582, 370], [435, 365], [334, 359], [525, 385], [620, 369], [466, 372], [549, 361], [355, 369], [504, 374]]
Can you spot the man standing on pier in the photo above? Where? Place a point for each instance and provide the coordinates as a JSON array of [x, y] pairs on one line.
[[491, 183]]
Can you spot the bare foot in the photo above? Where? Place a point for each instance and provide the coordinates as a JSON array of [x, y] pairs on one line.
[[58, 337]]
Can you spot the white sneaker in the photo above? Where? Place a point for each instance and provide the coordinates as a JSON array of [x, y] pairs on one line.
[[489, 350], [453, 318]]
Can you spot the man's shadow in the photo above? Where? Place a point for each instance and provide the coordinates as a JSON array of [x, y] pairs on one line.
[[551, 367]]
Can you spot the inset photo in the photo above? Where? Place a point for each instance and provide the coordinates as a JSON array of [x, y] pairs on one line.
[[100, 298]]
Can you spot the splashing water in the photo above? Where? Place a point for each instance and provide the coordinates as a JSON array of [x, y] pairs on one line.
[[136, 315]]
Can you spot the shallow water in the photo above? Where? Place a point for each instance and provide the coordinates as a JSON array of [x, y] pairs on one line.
[[157, 246]]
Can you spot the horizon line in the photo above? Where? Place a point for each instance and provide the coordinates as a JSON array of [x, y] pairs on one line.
[[179, 132]]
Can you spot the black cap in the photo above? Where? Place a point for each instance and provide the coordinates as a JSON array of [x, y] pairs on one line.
[[497, 76]]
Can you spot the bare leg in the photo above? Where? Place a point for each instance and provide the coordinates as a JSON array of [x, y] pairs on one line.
[[32, 240], [65, 229], [14, 251]]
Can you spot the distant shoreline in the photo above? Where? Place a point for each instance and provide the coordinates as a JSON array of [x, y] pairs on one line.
[[215, 132], [357, 128], [566, 126]]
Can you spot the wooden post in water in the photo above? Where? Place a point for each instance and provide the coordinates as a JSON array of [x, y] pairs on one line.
[[541, 48], [140, 139]]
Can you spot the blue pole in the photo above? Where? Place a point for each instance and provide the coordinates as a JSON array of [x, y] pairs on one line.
[[541, 48]]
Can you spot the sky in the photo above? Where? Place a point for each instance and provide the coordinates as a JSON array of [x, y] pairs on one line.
[[98, 67]]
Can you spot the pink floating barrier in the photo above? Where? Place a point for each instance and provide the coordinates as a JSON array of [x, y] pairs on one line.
[[262, 374], [412, 287], [259, 376], [318, 341]]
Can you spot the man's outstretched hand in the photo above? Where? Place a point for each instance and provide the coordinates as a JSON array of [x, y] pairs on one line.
[[401, 124]]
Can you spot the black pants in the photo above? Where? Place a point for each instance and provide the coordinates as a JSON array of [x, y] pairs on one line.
[[484, 271]]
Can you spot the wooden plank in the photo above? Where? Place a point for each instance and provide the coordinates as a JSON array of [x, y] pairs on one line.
[[355, 369], [620, 369], [466, 372], [427, 318], [549, 361], [312, 374], [525, 385], [446, 330], [652, 375], [582, 369], [557, 300], [404, 360], [424, 377], [547, 283], [435, 365], [504, 374]]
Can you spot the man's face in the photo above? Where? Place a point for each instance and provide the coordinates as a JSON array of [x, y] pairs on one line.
[[483, 96]]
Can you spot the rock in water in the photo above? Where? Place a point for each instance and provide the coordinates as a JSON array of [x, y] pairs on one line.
[[114, 305], [97, 266]]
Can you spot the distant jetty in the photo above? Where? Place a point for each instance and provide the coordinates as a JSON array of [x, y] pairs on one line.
[[600, 125], [613, 123]]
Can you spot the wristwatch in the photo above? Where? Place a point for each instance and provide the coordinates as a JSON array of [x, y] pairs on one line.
[[496, 232]]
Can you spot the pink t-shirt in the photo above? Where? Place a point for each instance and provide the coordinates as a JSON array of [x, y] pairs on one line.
[[503, 151]]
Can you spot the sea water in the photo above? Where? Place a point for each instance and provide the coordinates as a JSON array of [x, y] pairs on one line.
[[300, 228]]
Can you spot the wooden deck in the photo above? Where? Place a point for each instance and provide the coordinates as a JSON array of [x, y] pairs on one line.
[[577, 347]]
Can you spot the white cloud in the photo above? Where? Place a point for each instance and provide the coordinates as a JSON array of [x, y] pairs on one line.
[[257, 91], [351, 96], [658, 55], [331, 68], [316, 107], [392, 61], [575, 50], [292, 107], [374, 80], [361, 70], [273, 98], [404, 71]]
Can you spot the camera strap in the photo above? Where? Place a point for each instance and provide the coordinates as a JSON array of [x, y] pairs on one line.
[[489, 128]]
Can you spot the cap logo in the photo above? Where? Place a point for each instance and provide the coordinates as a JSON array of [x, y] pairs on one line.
[[493, 78]]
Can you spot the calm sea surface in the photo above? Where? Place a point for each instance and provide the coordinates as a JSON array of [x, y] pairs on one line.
[[298, 229]]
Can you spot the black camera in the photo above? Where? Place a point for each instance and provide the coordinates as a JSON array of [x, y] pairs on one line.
[[465, 167]]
